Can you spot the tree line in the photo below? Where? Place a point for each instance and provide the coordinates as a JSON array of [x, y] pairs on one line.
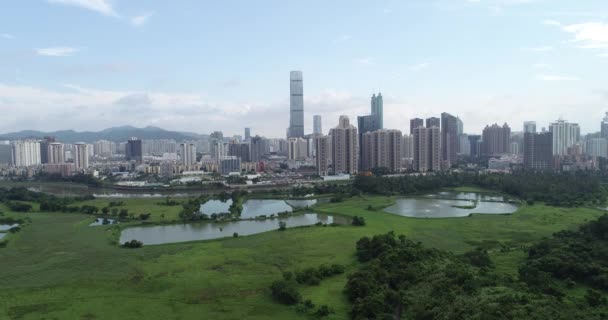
[[557, 189]]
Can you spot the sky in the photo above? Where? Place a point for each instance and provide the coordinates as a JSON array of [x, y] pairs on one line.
[[202, 66]]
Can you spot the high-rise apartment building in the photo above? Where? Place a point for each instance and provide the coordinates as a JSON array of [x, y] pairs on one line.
[[187, 153], [377, 105], [228, 165], [103, 148], [134, 150], [496, 139], [597, 147], [81, 156], [427, 149], [365, 124], [538, 151], [433, 122], [344, 147], [297, 149], [323, 154], [25, 153], [56, 153], [529, 127], [565, 135], [449, 138], [317, 125], [296, 105], [44, 148], [415, 123], [381, 149], [239, 150], [475, 143], [258, 148], [464, 144], [407, 146]]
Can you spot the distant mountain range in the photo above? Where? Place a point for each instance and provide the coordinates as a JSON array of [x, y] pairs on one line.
[[117, 134]]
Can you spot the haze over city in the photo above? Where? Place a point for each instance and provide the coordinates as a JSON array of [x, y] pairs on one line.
[[203, 67]]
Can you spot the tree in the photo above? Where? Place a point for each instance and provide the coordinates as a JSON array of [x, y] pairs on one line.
[[285, 292], [124, 213], [105, 210], [282, 225]]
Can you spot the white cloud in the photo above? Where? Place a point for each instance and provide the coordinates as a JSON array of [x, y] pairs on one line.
[[102, 6], [553, 77], [552, 23], [57, 51], [419, 66], [7, 36], [590, 35], [140, 20]]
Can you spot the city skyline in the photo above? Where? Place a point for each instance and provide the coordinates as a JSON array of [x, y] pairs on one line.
[[532, 61]]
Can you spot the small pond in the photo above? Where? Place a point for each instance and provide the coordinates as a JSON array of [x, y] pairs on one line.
[[466, 196], [6, 227], [99, 222], [305, 203], [444, 208], [2, 235], [254, 208], [214, 230]]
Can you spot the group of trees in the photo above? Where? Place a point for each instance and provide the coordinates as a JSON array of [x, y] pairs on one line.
[[401, 279], [285, 291], [553, 188], [579, 256]]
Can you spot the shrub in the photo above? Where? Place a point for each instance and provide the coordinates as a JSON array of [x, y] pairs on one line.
[[3, 244], [235, 235], [144, 216], [133, 244], [285, 292], [358, 221], [282, 225]]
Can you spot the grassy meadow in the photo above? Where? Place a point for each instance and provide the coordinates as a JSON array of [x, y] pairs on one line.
[[58, 267]]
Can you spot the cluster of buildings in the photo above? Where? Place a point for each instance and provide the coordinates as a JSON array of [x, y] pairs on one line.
[[432, 144]]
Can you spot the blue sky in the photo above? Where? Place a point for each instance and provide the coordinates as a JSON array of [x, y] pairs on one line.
[[224, 65]]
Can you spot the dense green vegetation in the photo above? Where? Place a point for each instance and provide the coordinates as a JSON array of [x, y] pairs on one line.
[[59, 268], [558, 189], [402, 279]]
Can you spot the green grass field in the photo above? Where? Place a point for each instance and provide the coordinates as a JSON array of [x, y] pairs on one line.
[[59, 268]]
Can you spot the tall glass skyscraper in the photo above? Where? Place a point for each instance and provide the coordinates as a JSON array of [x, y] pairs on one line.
[[377, 109], [317, 128], [296, 105]]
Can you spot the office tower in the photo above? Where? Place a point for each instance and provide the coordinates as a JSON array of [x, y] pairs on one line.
[[377, 109], [25, 153], [344, 144], [514, 148], [56, 153], [529, 127], [565, 134], [44, 148], [247, 134], [449, 138], [427, 149], [604, 128], [297, 149], [239, 150], [323, 154], [459, 126], [415, 123], [317, 126], [381, 149], [475, 144], [365, 124], [538, 151], [597, 147], [296, 105], [433, 122], [187, 153], [229, 165], [134, 150], [6, 153], [103, 148], [258, 147], [81, 156], [464, 144], [220, 150], [407, 146], [496, 139]]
